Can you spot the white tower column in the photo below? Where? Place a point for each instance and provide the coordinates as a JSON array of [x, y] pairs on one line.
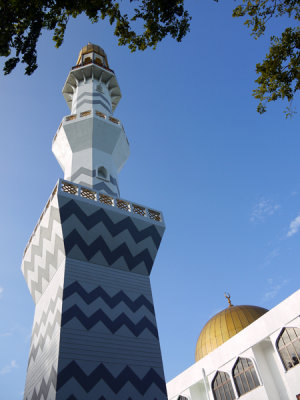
[[91, 145]]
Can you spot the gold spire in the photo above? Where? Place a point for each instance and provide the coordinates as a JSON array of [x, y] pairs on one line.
[[227, 295]]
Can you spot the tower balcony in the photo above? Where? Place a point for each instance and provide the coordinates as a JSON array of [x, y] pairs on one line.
[[96, 62], [101, 200], [89, 71], [88, 113]]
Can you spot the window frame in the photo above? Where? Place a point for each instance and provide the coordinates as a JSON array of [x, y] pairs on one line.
[[104, 177], [287, 346], [227, 384], [251, 369]]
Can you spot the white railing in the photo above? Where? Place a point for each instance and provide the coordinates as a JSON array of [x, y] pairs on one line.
[[93, 195], [90, 112], [87, 113], [96, 196]]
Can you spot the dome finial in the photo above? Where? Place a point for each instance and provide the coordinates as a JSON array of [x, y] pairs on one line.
[[227, 295]]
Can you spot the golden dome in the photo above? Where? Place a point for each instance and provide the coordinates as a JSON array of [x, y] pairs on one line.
[[89, 48], [225, 325]]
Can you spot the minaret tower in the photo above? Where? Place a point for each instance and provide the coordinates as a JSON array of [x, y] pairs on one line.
[[88, 261]]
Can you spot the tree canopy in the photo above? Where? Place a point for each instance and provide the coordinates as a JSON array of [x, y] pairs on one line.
[[279, 72], [149, 22], [22, 22]]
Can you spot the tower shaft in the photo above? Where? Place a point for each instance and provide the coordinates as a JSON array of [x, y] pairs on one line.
[[88, 263]]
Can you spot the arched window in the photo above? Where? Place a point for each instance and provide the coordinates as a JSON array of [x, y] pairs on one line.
[[244, 375], [288, 345], [87, 58], [102, 173], [98, 60], [222, 387]]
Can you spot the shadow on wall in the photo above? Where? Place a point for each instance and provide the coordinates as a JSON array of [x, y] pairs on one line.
[[266, 360]]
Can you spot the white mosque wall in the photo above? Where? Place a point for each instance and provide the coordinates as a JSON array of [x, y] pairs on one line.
[[271, 379], [289, 380], [198, 391], [257, 342]]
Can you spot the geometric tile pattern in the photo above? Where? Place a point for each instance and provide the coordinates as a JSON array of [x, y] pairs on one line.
[[105, 236], [111, 301], [113, 325], [45, 253], [95, 99], [115, 383], [44, 348], [94, 334], [110, 187], [46, 389]]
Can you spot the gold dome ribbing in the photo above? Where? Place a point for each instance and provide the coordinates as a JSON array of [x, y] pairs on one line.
[[90, 47], [225, 325]]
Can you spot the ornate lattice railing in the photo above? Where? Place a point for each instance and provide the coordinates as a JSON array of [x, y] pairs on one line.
[[73, 189], [71, 117], [85, 113], [89, 194], [88, 113]]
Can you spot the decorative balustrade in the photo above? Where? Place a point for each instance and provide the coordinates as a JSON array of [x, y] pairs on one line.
[[89, 194], [68, 187], [124, 205], [71, 117], [85, 113], [114, 120], [138, 210], [100, 114], [104, 199], [89, 112], [154, 215], [94, 63]]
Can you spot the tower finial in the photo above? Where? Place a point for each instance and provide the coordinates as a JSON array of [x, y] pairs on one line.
[[227, 295]]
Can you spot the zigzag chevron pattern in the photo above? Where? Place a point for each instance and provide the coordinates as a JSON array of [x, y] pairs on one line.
[[111, 301], [91, 173], [89, 251], [45, 234], [43, 391], [42, 338], [46, 325], [101, 373], [43, 255], [101, 398], [100, 216], [105, 188], [93, 94], [51, 308], [51, 258], [113, 326], [93, 102]]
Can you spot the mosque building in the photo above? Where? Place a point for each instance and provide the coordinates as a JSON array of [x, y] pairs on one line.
[[245, 352], [89, 259]]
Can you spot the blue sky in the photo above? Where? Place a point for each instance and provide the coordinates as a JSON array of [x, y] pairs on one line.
[[226, 178]]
